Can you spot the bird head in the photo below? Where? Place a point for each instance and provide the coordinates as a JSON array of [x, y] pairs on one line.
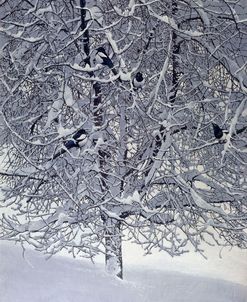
[[215, 126], [218, 133], [139, 76], [101, 50]]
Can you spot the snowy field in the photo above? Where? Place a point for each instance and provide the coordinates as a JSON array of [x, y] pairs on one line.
[[60, 279]]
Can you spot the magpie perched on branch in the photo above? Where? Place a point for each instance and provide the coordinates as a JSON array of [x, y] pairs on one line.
[[102, 58], [77, 139], [219, 133], [138, 80]]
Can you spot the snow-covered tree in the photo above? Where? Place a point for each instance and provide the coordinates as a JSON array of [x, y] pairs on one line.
[[123, 120]]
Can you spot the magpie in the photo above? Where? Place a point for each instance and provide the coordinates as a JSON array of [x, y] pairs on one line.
[[102, 58], [219, 133], [78, 140], [138, 80]]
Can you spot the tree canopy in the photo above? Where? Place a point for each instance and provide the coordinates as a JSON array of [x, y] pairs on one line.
[[123, 120]]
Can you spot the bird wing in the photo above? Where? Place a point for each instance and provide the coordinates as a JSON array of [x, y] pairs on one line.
[[102, 55]]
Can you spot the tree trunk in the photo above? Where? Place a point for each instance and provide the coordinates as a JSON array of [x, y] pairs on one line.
[[113, 248], [175, 59]]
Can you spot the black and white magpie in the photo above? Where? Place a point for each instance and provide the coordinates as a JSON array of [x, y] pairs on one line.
[[102, 58], [138, 80], [219, 133], [78, 139]]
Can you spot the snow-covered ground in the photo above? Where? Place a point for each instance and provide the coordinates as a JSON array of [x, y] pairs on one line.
[[229, 264], [60, 279]]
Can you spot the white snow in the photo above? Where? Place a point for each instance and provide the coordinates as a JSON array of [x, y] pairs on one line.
[[60, 279], [135, 197], [113, 266], [43, 10], [201, 203], [63, 132], [199, 6], [54, 111], [244, 113], [68, 96]]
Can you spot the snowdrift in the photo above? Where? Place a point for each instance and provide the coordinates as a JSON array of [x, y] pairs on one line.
[[60, 279]]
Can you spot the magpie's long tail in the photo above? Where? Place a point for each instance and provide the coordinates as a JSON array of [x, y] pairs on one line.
[[114, 71], [109, 63]]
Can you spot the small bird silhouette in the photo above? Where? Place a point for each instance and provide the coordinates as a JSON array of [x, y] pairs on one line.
[[138, 80], [78, 139], [102, 58], [219, 133]]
